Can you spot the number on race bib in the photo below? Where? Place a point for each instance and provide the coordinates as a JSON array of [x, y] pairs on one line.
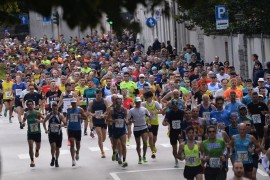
[[242, 155], [256, 118], [8, 94], [206, 115], [176, 124], [54, 128], [34, 127], [214, 162], [191, 160], [119, 123], [18, 92], [98, 114], [74, 118]]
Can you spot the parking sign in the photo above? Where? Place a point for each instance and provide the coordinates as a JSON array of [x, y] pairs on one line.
[[222, 19]]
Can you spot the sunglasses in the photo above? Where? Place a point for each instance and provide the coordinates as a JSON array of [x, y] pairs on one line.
[[248, 124], [211, 131]]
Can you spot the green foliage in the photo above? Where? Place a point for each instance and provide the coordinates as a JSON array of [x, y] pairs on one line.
[[89, 13], [9, 12], [254, 16]]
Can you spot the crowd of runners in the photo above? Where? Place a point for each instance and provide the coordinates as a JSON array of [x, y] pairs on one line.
[[103, 86]]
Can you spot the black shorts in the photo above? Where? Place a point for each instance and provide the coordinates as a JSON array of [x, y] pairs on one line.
[[255, 158], [56, 138], [118, 134], [84, 107], [259, 130], [75, 134], [7, 100], [154, 129], [18, 103], [34, 137], [190, 172], [102, 126], [174, 137], [138, 134], [248, 167]]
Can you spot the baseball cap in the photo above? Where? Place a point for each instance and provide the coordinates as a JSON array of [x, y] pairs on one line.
[[73, 100], [141, 75], [261, 79], [154, 68], [54, 104], [248, 80], [138, 99], [234, 115], [242, 107]]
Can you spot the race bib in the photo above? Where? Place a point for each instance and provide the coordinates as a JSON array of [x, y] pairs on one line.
[[8, 94], [66, 104], [90, 99], [119, 123], [191, 160], [242, 155], [18, 92], [74, 118], [206, 115], [176, 124], [54, 128], [256, 118], [214, 162], [153, 115], [34, 127], [98, 114]]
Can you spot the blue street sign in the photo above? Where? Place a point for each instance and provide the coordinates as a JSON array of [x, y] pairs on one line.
[[222, 17], [24, 19], [151, 22]]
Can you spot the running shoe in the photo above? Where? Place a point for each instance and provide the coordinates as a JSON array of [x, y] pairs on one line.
[[176, 164], [140, 161], [144, 159], [114, 156], [56, 163], [73, 163], [125, 164], [155, 149], [128, 142], [52, 161], [85, 133], [10, 120], [5, 113], [119, 161], [153, 155], [103, 155], [21, 125], [32, 164]]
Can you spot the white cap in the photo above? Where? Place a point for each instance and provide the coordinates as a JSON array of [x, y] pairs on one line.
[[138, 99], [73, 100], [261, 79], [141, 75]]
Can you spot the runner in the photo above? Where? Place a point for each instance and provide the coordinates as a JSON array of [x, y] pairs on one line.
[[75, 115], [190, 151], [238, 169], [119, 125], [214, 155], [7, 96], [173, 118], [136, 116], [32, 95], [154, 108], [97, 109], [244, 145], [55, 132], [17, 89], [265, 162], [33, 131]]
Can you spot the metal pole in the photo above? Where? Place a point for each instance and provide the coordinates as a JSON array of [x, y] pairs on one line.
[[262, 49], [232, 48]]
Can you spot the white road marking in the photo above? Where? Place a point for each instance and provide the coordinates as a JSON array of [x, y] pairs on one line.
[[261, 172], [23, 156], [166, 145], [97, 149], [116, 177]]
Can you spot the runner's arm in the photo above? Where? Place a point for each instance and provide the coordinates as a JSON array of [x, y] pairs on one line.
[[257, 146], [63, 119], [44, 122], [232, 145], [167, 96], [60, 101], [84, 116], [90, 109], [180, 152]]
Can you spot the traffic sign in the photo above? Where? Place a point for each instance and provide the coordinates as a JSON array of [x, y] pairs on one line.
[[46, 20], [222, 18], [157, 14], [151, 22], [24, 19]]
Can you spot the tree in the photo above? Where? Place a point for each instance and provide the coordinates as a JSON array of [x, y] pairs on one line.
[[254, 16], [9, 12], [89, 13]]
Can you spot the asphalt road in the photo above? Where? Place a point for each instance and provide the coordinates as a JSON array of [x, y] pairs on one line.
[[15, 158]]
